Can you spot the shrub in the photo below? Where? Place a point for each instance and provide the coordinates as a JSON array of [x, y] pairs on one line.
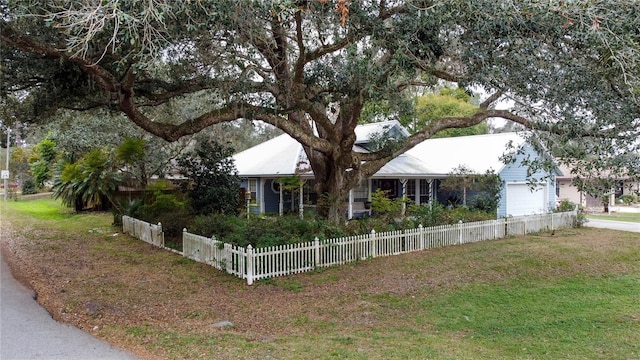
[[566, 206], [628, 199], [29, 187], [263, 231], [214, 183], [169, 210], [427, 215]]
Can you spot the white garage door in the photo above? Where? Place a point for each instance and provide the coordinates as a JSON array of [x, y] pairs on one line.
[[522, 200]]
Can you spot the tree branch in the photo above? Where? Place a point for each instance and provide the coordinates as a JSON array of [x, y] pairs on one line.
[[495, 96]]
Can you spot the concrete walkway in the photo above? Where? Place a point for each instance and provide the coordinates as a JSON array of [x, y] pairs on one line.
[[27, 331]]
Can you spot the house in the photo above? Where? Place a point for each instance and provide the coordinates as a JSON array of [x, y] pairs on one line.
[[415, 174], [567, 190]]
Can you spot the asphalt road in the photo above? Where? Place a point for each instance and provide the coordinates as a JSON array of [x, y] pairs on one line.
[[614, 225], [27, 331]]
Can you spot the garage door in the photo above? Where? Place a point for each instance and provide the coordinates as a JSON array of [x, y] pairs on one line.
[[522, 200]]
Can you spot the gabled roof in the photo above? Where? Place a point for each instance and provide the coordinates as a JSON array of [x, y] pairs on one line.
[[478, 153], [276, 157], [405, 165], [364, 132], [283, 155]]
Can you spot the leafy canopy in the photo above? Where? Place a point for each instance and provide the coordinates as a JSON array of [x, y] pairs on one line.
[[310, 68]]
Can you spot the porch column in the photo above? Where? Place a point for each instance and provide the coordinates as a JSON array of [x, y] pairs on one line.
[[404, 196], [350, 207], [417, 192], [301, 202], [261, 196], [281, 204], [369, 191], [430, 182]]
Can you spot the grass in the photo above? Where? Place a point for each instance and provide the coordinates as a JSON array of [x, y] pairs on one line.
[[574, 294], [617, 216]]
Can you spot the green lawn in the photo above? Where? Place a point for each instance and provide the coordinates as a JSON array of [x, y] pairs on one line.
[[617, 216], [574, 294]]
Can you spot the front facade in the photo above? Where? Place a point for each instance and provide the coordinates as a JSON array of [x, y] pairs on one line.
[[415, 174]]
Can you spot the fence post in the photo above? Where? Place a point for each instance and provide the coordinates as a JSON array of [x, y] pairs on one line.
[[227, 257], [459, 232], [161, 234], [249, 262], [421, 235], [184, 248], [372, 240], [316, 252]]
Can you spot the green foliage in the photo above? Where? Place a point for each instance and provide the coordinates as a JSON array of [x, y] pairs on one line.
[[263, 231], [273, 231], [382, 205], [214, 184], [47, 150], [628, 199], [478, 192], [447, 103], [330, 67], [131, 150], [167, 209], [92, 182], [29, 187], [41, 161], [489, 188], [428, 215], [41, 172], [290, 183], [566, 206], [436, 214]]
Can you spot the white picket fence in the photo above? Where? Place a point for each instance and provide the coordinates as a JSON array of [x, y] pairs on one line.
[[144, 231], [255, 264]]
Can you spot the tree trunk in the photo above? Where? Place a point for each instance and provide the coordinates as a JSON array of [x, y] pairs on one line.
[[333, 183]]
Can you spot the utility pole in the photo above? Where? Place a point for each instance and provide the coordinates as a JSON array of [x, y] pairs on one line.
[[5, 174]]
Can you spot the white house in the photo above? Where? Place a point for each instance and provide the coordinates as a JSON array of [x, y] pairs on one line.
[[415, 174]]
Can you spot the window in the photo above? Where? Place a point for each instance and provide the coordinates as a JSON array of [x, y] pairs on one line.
[[411, 189], [252, 185], [361, 191], [425, 186]]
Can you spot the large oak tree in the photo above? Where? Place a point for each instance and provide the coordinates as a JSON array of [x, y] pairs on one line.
[[309, 67]]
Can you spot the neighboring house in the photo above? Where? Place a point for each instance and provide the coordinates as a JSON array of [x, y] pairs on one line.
[[416, 173], [567, 190]]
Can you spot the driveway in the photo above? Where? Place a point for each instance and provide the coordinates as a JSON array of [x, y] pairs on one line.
[[613, 225], [27, 331]]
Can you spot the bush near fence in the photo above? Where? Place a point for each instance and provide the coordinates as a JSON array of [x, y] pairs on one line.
[[255, 264]]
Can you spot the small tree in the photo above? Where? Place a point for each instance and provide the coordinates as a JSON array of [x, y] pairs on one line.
[[460, 179], [41, 162], [132, 153], [214, 184], [486, 187], [489, 188], [91, 181]]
